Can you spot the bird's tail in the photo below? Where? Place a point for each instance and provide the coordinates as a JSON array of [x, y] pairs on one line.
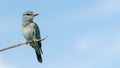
[[38, 54]]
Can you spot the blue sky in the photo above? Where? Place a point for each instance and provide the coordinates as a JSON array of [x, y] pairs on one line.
[[81, 33]]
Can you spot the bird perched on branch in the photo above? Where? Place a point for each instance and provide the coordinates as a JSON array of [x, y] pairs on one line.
[[31, 32]]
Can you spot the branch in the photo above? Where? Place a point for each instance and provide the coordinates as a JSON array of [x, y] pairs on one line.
[[26, 42]]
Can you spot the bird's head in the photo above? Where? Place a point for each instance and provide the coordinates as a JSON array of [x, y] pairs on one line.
[[29, 15]]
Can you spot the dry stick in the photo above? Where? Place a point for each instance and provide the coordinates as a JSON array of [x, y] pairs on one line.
[[26, 42]]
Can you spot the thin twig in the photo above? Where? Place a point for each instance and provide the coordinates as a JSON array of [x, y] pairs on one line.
[[26, 42]]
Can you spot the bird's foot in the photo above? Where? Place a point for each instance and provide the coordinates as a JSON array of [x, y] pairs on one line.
[[27, 43], [35, 40]]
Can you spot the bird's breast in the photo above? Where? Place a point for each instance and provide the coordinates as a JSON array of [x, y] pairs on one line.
[[28, 32]]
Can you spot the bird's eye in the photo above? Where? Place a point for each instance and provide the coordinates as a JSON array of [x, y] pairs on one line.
[[28, 14]]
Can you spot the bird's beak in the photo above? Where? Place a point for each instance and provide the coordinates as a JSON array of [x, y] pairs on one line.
[[36, 14]]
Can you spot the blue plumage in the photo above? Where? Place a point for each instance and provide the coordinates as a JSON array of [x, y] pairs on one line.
[[31, 32]]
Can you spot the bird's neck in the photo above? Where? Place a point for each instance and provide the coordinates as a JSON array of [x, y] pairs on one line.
[[26, 22]]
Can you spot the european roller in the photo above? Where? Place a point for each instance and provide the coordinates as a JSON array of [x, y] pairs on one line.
[[31, 32]]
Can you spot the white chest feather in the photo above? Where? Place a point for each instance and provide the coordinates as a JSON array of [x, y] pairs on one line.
[[28, 29]]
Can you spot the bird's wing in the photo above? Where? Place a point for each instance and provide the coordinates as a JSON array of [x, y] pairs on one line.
[[36, 31], [36, 35]]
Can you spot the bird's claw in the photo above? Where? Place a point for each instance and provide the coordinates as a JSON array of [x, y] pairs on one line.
[[35, 40], [26, 43]]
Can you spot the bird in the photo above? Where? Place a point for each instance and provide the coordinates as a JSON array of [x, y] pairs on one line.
[[31, 31]]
